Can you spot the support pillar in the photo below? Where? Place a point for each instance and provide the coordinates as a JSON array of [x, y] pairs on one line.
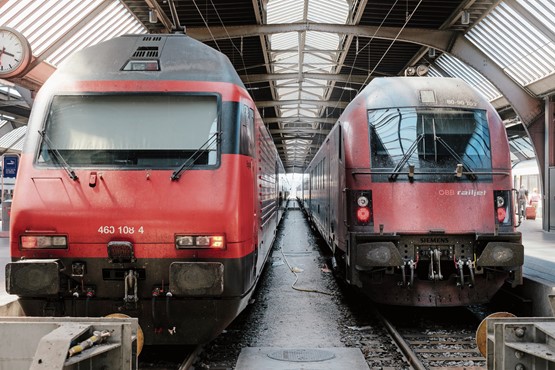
[[549, 168]]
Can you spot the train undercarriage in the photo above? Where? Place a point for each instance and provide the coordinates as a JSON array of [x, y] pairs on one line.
[[175, 302], [434, 270]]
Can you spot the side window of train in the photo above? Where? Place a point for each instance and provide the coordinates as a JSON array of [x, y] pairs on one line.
[[247, 129]]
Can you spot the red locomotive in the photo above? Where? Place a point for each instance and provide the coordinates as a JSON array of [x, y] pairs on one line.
[[412, 192], [149, 186]]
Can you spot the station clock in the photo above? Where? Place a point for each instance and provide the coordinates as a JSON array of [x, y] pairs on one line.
[[15, 53]]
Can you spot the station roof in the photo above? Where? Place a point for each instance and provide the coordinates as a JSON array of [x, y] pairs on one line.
[[304, 60]]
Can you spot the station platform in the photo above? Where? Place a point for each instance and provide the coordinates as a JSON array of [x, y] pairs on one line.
[[539, 268]]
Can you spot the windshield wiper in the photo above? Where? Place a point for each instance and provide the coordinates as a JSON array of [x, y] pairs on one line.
[[58, 156], [190, 162], [405, 158], [469, 171]]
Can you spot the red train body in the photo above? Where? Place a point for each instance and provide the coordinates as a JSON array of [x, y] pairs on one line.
[[149, 186], [412, 192]]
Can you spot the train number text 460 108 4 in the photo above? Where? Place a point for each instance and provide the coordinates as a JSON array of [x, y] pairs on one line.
[[126, 230]]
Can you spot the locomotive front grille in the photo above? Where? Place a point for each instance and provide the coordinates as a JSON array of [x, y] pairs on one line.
[[449, 246], [424, 251], [121, 252]]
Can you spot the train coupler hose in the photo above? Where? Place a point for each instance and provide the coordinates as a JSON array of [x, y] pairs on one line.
[[435, 262], [131, 284], [412, 267], [471, 267], [171, 328], [96, 338]]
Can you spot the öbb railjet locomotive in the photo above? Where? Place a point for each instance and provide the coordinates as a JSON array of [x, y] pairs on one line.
[[148, 186], [412, 192]]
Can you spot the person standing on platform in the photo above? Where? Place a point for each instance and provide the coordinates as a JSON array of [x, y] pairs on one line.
[[535, 198], [522, 200]]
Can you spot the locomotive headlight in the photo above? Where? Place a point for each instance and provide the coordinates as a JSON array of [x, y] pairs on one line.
[[362, 201], [203, 241], [43, 242], [500, 201], [199, 241], [184, 241]]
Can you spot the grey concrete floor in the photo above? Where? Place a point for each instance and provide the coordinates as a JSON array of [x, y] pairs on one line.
[[306, 317]]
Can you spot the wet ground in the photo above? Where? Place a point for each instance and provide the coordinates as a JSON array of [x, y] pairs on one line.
[[295, 305]]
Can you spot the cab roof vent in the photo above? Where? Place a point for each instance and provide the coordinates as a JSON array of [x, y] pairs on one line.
[[146, 52], [152, 38]]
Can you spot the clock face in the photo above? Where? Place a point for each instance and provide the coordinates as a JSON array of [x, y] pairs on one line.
[[15, 52]]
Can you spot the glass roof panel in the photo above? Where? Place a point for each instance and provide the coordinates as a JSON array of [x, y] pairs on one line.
[[13, 140], [523, 146], [307, 95], [322, 40], [543, 10], [285, 41], [454, 67], [328, 11], [54, 29], [525, 52], [284, 11], [289, 113], [320, 53]]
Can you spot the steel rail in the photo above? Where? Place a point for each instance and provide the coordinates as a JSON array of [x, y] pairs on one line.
[[401, 343]]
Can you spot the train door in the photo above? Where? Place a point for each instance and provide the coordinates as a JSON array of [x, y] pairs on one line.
[[249, 146], [341, 211], [277, 191], [335, 191], [328, 160]]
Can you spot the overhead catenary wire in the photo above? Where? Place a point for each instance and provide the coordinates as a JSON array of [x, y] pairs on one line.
[[392, 42], [407, 19], [355, 59], [240, 51], [361, 49], [328, 114]]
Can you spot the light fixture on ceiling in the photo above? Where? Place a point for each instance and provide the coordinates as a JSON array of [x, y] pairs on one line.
[[152, 16], [465, 17], [410, 71], [422, 70], [431, 52]]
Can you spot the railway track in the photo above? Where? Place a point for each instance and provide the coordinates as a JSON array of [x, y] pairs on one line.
[[168, 357], [436, 348], [411, 338]]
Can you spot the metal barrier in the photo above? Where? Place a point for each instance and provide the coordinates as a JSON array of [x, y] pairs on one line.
[[69, 343], [519, 343]]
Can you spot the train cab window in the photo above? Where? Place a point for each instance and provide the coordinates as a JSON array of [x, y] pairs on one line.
[[433, 140], [247, 131], [138, 131]]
